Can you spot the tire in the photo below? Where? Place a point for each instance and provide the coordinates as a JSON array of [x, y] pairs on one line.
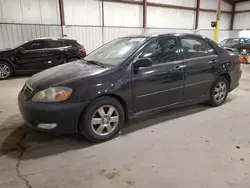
[[6, 70], [105, 129], [218, 92]]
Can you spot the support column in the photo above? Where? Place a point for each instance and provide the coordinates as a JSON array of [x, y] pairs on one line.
[[217, 28], [197, 14], [144, 14], [232, 16], [62, 18]]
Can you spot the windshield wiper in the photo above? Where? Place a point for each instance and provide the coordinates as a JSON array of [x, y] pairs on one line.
[[96, 63]]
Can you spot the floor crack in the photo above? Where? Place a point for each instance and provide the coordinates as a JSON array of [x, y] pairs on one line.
[[23, 149]]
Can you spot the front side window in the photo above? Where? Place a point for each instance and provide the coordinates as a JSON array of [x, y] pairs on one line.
[[33, 45], [161, 51], [116, 51], [194, 47]]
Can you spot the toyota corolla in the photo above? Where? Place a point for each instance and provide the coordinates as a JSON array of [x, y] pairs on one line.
[[125, 77]]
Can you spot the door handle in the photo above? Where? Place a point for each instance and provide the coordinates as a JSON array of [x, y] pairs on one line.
[[178, 67]]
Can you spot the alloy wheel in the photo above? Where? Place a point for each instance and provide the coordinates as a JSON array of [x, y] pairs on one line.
[[220, 91], [4, 71], [105, 120]]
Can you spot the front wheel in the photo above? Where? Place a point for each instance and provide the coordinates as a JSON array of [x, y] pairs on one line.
[[102, 120], [219, 91]]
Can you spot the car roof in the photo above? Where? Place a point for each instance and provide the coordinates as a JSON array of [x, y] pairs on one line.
[[165, 34], [53, 38], [236, 38]]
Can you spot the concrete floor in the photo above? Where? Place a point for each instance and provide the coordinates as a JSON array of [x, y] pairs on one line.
[[194, 147]]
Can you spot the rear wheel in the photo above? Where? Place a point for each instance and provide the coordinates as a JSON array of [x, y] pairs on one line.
[[219, 91], [6, 71], [102, 120]]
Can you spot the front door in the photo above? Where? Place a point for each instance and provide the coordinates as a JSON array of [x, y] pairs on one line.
[[161, 84], [200, 62], [33, 58], [55, 53]]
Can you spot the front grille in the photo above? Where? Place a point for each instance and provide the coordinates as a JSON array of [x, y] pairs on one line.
[[27, 91]]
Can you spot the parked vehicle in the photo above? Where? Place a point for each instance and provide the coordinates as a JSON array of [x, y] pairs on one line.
[[127, 76], [39, 54], [240, 45]]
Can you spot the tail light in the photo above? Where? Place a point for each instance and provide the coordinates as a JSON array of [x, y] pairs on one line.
[[83, 51], [244, 59]]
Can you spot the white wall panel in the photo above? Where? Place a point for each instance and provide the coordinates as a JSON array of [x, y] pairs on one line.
[[14, 34], [111, 33], [50, 12], [170, 18], [242, 20], [90, 37], [207, 17], [11, 11], [30, 11], [120, 14], [188, 3], [210, 34], [212, 4], [242, 6], [82, 12]]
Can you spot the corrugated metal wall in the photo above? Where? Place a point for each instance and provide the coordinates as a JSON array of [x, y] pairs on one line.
[[91, 37], [111, 33], [15, 34]]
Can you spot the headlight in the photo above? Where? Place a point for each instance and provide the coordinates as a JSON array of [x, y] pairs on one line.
[[52, 94]]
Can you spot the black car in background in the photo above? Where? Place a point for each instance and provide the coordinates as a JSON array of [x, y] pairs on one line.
[[240, 45], [39, 54], [128, 76]]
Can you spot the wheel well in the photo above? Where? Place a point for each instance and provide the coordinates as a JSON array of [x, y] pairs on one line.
[[227, 76], [117, 97], [72, 57], [5, 61], [121, 101]]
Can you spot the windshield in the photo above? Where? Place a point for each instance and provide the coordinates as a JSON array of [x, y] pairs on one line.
[[116, 51]]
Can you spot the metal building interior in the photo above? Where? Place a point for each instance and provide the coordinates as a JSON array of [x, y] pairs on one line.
[[192, 146]]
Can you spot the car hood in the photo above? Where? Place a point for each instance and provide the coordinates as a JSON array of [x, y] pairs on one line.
[[63, 73]]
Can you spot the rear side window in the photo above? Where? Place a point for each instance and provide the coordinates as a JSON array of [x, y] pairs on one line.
[[211, 50], [194, 47], [55, 44]]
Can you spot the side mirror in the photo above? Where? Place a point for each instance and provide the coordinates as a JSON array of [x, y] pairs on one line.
[[144, 62]]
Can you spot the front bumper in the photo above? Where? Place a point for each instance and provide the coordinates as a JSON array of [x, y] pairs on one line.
[[65, 115]]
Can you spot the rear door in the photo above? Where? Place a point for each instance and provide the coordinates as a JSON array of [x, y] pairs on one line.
[[55, 53], [200, 62], [33, 57]]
